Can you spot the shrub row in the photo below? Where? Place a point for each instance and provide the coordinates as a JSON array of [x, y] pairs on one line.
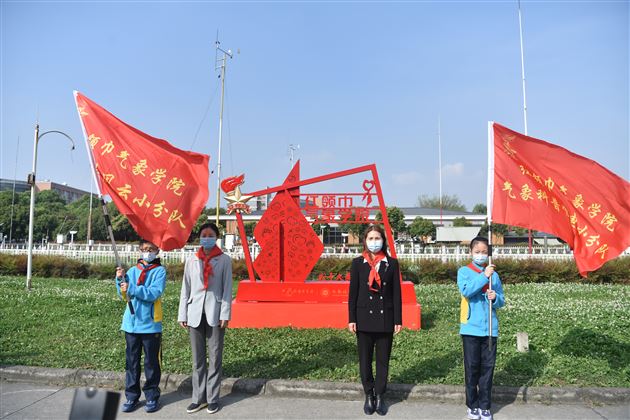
[[423, 271]]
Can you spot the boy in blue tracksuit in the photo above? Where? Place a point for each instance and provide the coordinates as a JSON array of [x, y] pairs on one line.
[[143, 285], [473, 281]]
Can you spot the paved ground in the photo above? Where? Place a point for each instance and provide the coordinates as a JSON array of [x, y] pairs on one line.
[[24, 400]]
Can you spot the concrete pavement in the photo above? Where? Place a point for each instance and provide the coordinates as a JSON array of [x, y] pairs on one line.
[[35, 392], [22, 400]]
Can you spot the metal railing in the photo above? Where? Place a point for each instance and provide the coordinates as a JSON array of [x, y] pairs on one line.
[[103, 254]]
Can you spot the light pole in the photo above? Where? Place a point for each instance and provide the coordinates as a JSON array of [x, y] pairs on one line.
[[31, 181]]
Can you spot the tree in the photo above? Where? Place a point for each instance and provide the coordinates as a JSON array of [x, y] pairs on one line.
[[249, 228], [449, 202], [18, 229], [499, 229], [323, 229], [208, 215], [355, 229], [421, 228], [480, 208], [123, 231], [461, 222], [50, 216], [396, 220], [81, 211]]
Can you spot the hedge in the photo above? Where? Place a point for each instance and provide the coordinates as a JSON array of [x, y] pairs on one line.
[[512, 271]]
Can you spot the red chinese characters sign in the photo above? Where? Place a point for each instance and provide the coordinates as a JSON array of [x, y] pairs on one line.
[[290, 248], [542, 186], [159, 188]]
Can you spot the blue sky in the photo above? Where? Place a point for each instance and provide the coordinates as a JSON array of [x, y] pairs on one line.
[[351, 82]]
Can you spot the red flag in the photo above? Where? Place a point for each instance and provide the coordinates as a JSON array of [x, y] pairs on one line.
[[541, 186], [161, 189]]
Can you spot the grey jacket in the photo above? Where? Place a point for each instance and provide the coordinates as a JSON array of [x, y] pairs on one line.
[[216, 302]]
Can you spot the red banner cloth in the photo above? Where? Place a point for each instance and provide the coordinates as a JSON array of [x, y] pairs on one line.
[[541, 186], [161, 189]]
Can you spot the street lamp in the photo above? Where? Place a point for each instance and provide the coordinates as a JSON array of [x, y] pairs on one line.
[[31, 181]]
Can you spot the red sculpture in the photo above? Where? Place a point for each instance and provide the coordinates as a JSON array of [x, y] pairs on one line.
[[290, 249]]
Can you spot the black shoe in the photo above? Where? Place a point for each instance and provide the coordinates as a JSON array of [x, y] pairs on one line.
[[381, 409], [369, 406], [213, 408], [194, 407]]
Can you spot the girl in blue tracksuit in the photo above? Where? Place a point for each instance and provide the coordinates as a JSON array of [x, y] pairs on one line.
[[143, 285], [473, 281]]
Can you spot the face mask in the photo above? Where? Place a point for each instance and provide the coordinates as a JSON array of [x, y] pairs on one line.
[[208, 242], [374, 246], [148, 256], [480, 259]]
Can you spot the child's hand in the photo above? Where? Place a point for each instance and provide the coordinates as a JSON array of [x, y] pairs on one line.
[[491, 294], [489, 270], [123, 286]]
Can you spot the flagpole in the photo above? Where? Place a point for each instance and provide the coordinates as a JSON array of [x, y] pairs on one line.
[[489, 201], [108, 223], [440, 164], [520, 28], [89, 222], [223, 61]]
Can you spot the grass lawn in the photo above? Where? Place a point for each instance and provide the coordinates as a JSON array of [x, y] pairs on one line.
[[579, 336]]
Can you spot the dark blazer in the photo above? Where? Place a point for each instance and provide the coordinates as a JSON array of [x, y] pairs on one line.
[[375, 311]]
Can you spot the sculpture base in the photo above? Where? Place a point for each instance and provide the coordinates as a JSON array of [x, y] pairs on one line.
[[305, 305]]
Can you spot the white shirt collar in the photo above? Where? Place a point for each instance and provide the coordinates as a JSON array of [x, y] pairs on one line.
[[384, 259]]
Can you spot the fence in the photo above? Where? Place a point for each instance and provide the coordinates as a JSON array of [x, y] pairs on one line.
[[103, 254]]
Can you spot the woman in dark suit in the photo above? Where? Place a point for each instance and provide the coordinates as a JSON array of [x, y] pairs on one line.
[[375, 313]]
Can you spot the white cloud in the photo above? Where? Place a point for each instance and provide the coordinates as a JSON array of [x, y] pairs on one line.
[[406, 178], [454, 169]]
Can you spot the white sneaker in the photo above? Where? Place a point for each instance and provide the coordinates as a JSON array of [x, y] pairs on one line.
[[473, 414], [486, 415]]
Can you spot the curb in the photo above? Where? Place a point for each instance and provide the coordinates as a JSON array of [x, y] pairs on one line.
[[321, 389]]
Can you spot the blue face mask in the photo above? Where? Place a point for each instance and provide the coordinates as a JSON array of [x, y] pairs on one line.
[[374, 246], [149, 256], [480, 259], [208, 242]]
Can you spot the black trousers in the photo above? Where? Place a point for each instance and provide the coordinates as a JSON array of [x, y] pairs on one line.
[[152, 345], [367, 342], [478, 370]]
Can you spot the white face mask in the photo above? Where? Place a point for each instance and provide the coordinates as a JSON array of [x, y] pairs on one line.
[[149, 256], [375, 246]]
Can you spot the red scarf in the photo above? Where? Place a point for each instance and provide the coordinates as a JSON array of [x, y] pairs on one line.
[[144, 270], [476, 269], [374, 276], [207, 267]]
